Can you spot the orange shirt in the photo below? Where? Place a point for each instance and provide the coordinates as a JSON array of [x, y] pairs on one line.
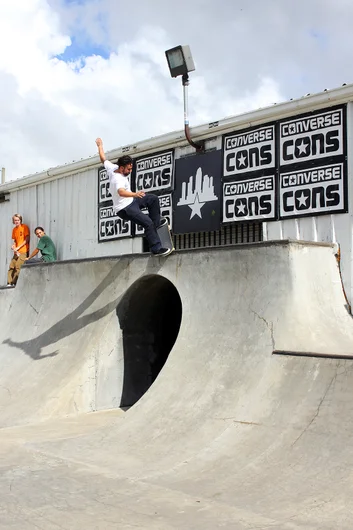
[[19, 234]]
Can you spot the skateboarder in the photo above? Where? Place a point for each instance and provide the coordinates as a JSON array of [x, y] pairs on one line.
[[20, 247], [128, 204], [45, 246]]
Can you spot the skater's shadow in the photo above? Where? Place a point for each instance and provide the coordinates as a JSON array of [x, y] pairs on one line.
[[73, 322]]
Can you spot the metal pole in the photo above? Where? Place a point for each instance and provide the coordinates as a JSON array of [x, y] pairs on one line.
[[198, 146], [2, 175]]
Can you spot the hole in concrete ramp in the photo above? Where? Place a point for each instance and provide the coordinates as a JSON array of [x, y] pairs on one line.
[[150, 316]]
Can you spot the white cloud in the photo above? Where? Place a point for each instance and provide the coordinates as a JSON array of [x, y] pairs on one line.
[[56, 109], [247, 56]]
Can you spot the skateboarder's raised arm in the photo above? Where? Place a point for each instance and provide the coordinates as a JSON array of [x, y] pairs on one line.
[[101, 153]]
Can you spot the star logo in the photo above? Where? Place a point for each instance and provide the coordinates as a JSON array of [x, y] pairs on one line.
[[147, 182], [196, 207], [292, 129], [241, 160], [109, 228], [302, 200], [241, 207], [302, 147], [195, 193]]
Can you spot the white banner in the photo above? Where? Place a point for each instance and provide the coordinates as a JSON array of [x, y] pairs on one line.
[[155, 172], [312, 191], [249, 151], [311, 137], [111, 226], [249, 200]]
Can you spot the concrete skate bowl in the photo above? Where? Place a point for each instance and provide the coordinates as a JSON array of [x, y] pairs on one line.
[[228, 435], [93, 335]]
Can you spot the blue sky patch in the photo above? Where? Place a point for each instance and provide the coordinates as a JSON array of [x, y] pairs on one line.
[[82, 48]]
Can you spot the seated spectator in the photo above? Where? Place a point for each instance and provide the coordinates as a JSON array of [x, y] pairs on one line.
[[21, 237], [45, 246]]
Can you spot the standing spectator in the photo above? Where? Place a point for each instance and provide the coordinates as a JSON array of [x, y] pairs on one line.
[[20, 236], [45, 245]]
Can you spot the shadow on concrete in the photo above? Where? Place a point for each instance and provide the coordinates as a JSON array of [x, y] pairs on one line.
[[150, 316], [72, 322]]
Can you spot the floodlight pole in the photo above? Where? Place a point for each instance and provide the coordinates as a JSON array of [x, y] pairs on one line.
[[200, 147]]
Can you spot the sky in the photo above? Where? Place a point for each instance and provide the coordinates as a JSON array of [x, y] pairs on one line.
[[73, 70]]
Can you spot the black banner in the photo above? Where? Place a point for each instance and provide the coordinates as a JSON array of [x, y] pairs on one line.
[[110, 226], [155, 173], [197, 196]]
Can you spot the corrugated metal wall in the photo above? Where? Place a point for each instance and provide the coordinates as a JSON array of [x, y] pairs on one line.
[[67, 210]]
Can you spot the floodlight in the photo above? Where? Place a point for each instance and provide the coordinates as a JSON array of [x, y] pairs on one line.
[[180, 62]]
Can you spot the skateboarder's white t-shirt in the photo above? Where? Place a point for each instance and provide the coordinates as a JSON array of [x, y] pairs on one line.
[[117, 181]]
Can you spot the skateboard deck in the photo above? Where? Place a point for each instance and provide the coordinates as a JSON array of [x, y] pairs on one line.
[[166, 237]]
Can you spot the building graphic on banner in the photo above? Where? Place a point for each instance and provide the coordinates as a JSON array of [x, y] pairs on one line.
[[197, 194], [198, 191], [312, 175], [110, 226], [249, 179]]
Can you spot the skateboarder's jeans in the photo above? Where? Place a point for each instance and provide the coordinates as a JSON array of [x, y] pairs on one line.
[[149, 222]]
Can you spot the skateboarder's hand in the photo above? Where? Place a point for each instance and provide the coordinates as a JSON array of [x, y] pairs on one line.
[[140, 194], [99, 142]]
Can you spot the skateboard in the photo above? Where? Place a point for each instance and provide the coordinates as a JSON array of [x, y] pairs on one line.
[[166, 237]]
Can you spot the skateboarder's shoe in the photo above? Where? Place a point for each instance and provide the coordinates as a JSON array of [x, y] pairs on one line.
[[162, 252], [164, 221]]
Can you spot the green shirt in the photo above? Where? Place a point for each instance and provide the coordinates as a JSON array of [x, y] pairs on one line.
[[47, 248]]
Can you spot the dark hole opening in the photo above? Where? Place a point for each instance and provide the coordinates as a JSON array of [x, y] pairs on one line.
[[149, 315]]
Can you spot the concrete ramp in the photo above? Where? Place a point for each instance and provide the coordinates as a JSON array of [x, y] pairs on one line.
[[221, 434]]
